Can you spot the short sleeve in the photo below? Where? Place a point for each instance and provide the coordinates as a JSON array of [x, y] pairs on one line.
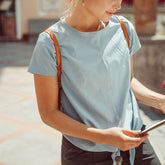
[[133, 38], [43, 61]]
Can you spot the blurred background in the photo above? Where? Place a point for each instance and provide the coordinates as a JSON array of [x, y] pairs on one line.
[[24, 139]]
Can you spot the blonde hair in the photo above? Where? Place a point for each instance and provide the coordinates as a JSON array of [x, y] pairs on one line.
[[68, 6], [72, 3]]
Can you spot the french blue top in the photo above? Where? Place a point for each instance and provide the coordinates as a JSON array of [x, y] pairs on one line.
[[95, 76]]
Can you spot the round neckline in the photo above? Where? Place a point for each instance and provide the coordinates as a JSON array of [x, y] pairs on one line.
[[78, 31]]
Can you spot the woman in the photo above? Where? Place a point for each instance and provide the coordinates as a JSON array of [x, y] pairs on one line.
[[99, 116]]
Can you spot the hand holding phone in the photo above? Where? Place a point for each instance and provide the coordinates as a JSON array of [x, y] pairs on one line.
[[151, 128]]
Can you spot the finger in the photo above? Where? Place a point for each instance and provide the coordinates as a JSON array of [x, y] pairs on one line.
[[139, 139], [135, 139], [133, 142], [144, 137], [132, 139], [131, 133]]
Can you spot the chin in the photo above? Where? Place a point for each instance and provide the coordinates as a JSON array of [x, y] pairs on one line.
[[106, 19]]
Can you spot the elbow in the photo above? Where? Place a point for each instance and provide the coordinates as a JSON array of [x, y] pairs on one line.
[[49, 118], [44, 118], [138, 100]]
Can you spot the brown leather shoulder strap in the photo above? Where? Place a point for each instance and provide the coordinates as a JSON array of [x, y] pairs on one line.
[[58, 55], [124, 30]]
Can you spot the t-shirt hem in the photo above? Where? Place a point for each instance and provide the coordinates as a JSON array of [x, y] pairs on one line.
[[39, 73]]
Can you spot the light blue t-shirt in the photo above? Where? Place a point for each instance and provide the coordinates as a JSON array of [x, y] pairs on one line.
[[95, 76]]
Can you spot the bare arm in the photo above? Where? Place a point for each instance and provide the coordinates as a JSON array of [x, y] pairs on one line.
[[47, 98], [145, 95]]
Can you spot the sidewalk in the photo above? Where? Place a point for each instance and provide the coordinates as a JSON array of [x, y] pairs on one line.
[[24, 139]]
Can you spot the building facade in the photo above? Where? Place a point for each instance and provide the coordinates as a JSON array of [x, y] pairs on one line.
[[15, 15], [18, 16]]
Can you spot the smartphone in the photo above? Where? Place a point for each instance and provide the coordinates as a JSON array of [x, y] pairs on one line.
[[151, 127]]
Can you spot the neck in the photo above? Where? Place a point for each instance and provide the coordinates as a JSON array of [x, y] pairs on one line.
[[82, 20]]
